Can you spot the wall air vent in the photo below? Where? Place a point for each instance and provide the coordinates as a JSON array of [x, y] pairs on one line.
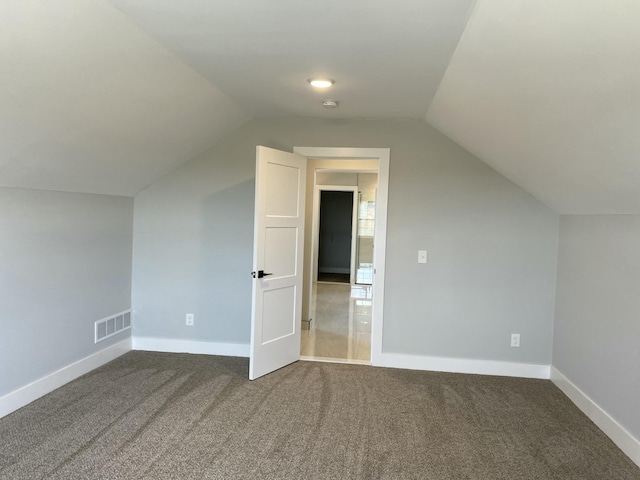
[[109, 326]]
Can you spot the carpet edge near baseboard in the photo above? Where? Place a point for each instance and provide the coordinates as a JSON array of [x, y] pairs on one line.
[[614, 430], [38, 388]]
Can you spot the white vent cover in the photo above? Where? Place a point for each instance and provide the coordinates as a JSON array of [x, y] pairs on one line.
[[109, 326]]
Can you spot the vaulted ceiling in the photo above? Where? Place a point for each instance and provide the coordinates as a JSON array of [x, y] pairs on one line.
[[107, 96], [548, 93]]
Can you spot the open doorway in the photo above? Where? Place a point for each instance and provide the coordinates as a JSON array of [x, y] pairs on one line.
[[341, 291], [354, 159], [334, 230], [282, 251], [336, 239]]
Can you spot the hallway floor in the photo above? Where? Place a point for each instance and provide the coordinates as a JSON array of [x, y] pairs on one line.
[[341, 325]]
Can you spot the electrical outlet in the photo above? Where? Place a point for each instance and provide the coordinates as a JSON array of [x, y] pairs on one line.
[[515, 339], [422, 256], [189, 321]]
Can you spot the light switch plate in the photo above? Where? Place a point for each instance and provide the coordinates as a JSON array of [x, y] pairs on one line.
[[422, 256]]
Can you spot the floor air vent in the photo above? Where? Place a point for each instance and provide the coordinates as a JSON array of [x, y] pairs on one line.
[[108, 327]]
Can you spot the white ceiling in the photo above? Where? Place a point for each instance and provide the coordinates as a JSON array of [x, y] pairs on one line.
[[387, 58], [548, 93], [107, 96], [90, 103]]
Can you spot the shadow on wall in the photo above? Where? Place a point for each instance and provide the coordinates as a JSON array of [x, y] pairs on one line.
[[224, 282]]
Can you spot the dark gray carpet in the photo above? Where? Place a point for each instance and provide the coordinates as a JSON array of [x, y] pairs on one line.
[[177, 416]]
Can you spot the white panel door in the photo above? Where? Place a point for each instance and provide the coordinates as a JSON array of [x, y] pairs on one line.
[[278, 254]]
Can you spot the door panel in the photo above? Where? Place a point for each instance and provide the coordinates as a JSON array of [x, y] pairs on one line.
[[278, 316], [282, 190], [280, 244], [278, 252]]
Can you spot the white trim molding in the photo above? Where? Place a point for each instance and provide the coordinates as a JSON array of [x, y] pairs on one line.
[[47, 384], [616, 432], [170, 345], [383, 156], [463, 365]]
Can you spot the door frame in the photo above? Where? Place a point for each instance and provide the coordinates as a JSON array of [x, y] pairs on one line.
[[382, 155], [315, 227]]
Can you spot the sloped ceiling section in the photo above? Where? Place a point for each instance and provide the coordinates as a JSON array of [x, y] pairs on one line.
[[107, 96], [548, 93], [90, 103], [387, 58]]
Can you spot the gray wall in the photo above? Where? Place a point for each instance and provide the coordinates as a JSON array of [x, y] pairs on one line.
[[597, 326], [492, 247], [65, 261]]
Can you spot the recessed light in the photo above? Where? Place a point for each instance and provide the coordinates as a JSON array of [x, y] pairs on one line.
[[321, 82]]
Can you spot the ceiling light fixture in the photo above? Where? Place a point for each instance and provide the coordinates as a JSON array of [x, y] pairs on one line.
[[321, 82], [329, 103]]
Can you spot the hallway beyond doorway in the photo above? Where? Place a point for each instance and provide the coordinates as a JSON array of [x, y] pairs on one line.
[[341, 326], [333, 277]]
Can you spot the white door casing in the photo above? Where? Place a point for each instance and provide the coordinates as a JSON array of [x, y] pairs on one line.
[[278, 252], [382, 155]]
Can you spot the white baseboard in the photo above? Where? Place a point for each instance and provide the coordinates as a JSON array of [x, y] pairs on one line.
[[27, 394], [334, 270], [190, 346], [462, 365], [616, 432]]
